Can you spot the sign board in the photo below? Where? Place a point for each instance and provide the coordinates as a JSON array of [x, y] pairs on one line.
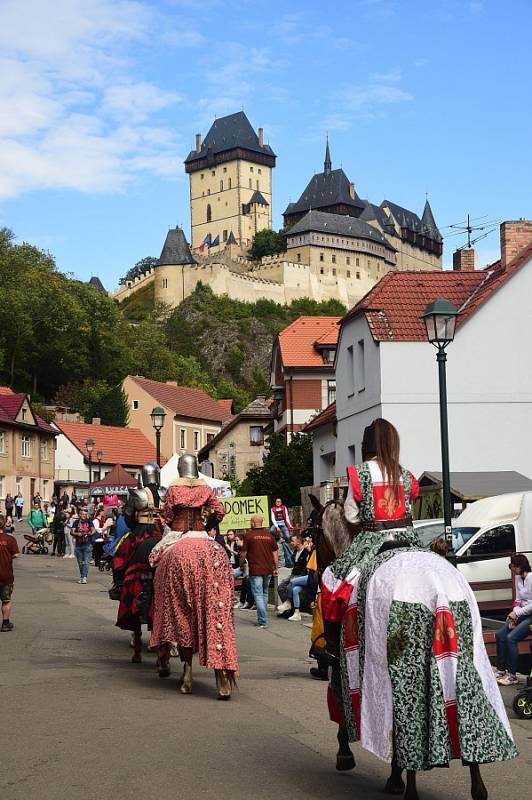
[[239, 510]]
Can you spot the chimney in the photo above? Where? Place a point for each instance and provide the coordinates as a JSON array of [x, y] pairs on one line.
[[464, 260], [96, 420], [352, 191], [261, 137], [198, 142], [515, 236]]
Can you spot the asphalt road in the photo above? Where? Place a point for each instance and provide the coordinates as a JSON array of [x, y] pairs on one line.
[[78, 720]]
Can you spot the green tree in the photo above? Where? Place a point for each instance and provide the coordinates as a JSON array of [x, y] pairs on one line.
[[286, 468], [96, 399], [267, 243]]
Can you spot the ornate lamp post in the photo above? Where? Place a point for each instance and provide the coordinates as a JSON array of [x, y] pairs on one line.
[[99, 456], [157, 420], [440, 322], [89, 444]]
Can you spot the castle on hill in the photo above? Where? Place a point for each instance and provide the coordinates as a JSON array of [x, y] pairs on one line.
[[338, 244]]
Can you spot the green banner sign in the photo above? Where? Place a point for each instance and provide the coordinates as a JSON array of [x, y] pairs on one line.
[[239, 510]]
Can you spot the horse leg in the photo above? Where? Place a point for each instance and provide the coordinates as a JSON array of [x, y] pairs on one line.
[[478, 790], [344, 758], [185, 683], [395, 783], [411, 789], [137, 645], [163, 660]]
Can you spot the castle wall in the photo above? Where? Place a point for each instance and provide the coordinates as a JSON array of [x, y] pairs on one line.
[[125, 291]]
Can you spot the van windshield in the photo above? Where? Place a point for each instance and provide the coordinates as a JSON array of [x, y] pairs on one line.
[[461, 536]]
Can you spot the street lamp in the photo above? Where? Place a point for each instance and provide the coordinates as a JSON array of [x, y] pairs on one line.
[[157, 420], [440, 322], [99, 456], [89, 444]]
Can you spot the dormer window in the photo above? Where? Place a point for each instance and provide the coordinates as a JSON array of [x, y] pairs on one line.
[[328, 356]]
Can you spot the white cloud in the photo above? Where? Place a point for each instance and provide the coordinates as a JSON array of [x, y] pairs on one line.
[[356, 101], [74, 110]]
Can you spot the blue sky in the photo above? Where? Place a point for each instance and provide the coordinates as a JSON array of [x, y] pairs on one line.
[[101, 100]]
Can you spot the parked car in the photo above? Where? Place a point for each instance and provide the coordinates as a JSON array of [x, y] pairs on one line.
[[429, 530]]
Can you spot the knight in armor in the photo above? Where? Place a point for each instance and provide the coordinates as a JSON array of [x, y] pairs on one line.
[[193, 585], [142, 514]]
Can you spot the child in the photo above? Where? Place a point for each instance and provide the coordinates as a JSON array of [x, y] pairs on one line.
[[8, 551]]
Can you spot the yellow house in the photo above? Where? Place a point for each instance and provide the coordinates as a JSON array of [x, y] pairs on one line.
[[230, 175], [27, 449]]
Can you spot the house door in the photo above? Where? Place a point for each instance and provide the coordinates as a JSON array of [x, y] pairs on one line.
[[32, 489]]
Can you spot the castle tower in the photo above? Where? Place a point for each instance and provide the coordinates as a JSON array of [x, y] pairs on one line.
[[230, 175], [171, 284]]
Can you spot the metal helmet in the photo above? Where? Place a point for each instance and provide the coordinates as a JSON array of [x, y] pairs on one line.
[[150, 474], [187, 466], [143, 501]]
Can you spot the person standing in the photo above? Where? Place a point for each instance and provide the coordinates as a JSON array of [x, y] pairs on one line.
[[70, 544], [58, 530], [261, 553], [82, 532], [9, 504], [19, 505], [8, 552], [37, 518]]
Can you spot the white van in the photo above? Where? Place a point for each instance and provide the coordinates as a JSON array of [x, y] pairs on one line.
[[484, 537]]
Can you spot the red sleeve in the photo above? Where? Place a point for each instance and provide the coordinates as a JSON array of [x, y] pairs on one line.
[[14, 547], [352, 476], [415, 488]]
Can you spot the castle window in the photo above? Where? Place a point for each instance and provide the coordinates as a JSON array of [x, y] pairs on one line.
[[322, 271], [225, 169], [250, 184], [333, 259], [208, 191], [213, 172], [165, 283], [369, 263], [357, 262], [224, 236], [229, 182], [221, 186], [259, 171], [348, 261], [251, 169], [334, 271], [209, 213], [257, 184], [358, 275], [299, 256], [348, 273], [202, 176], [321, 256]]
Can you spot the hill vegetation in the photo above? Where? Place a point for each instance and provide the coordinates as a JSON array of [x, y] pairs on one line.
[[63, 341]]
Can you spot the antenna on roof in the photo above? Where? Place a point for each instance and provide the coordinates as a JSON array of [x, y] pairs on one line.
[[467, 227]]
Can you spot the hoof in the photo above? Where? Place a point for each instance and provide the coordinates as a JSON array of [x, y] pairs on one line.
[[224, 696], [163, 673], [136, 658], [394, 787], [344, 763], [185, 688]]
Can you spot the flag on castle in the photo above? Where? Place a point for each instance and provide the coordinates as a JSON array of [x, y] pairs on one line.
[[206, 241], [215, 242]]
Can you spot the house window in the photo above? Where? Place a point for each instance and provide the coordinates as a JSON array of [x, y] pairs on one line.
[[44, 450], [2, 485], [361, 366], [135, 405], [26, 446], [182, 439], [333, 259], [224, 236], [196, 440], [209, 213], [45, 485], [210, 437], [18, 485], [256, 435], [321, 256], [23, 414], [230, 182], [221, 186], [331, 392], [350, 371], [2, 442], [328, 356]]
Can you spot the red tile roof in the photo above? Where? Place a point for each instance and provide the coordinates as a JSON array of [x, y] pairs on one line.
[[394, 306], [297, 341], [5, 390], [119, 445], [323, 418], [10, 404], [186, 402]]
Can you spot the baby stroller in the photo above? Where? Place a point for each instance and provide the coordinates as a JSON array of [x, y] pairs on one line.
[[37, 541], [522, 704]]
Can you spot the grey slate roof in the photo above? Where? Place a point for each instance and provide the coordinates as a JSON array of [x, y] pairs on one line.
[[339, 224], [377, 213], [430, 223], [326, 189], [258, 198], [470, 485], [97, 284], [228, 133], [176, 249], [405, 218]]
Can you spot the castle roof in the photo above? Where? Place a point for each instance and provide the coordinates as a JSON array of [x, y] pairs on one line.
[[258, 198], [228, 133], [325, 189], [176, 249], [430, 223], [96, 283], [339, 224]]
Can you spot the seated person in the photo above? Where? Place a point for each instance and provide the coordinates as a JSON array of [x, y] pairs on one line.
[[518, 622], [290, 589]]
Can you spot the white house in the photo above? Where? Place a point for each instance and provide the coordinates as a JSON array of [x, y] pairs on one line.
[[386, 368]]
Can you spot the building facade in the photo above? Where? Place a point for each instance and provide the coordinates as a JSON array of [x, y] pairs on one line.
[[239, 445], [230, 174], [193, 418], [27, 449]]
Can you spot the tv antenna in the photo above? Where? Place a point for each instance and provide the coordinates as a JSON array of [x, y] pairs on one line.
[[484, 228]]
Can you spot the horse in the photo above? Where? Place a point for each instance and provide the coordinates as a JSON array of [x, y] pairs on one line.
[[333, 536]]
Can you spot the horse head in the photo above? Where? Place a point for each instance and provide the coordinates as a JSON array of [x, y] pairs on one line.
[[333, 534]]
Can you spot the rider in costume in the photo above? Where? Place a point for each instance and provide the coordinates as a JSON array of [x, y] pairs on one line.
[[194, 585], [408, 654], [130, 564]]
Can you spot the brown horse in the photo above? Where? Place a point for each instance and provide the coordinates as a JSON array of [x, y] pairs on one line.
[[332, 537]]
